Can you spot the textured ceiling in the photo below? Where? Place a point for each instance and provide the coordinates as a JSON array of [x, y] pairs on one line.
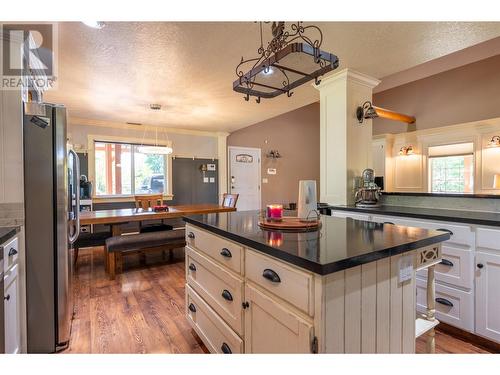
[[113, 74]]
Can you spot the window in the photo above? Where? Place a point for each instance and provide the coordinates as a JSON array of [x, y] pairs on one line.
[[121, 169], [451, 168]]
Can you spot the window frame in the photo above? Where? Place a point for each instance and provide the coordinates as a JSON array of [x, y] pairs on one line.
[[429, 166], [133, 142]]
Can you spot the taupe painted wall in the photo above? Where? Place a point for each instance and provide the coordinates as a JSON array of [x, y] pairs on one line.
[[296, 136], [468, 93]]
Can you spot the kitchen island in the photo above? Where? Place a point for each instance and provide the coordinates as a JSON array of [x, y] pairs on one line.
[[348, 287]]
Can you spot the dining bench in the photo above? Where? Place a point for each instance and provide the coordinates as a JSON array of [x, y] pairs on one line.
[[118, 246]]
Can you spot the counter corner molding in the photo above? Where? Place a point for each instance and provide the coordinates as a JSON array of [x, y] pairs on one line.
[[250, 290]]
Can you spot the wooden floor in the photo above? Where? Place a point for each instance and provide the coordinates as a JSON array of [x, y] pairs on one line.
[[142, 311]]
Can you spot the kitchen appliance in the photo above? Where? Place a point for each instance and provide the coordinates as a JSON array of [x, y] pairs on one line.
[[307, 204], [52, 200], [85, 187], [2, 311], [369, 193]]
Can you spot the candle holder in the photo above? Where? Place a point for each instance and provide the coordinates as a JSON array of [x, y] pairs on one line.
[[274, 212]]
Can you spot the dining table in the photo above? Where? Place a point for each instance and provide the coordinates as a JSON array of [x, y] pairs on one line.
[[116, 217]]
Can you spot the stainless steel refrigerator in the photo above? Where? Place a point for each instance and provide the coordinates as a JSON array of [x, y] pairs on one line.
[[51, 188]]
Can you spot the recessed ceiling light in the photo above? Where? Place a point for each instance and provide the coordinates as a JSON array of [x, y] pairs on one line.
[[94, 24], [155, 107]]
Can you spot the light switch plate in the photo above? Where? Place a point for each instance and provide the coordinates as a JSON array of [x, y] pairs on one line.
[[205, 180], [271, 170], [212, 180], [264, 180], [210, 167]]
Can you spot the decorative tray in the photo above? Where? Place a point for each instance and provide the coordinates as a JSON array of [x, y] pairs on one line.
[[289, 223]]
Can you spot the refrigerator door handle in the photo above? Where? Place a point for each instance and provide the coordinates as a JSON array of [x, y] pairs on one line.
[[73, 238]]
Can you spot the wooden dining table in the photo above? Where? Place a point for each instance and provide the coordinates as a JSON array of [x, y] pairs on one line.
[[116, 217]]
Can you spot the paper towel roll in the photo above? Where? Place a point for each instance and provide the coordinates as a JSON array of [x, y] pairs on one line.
[[307, 202]]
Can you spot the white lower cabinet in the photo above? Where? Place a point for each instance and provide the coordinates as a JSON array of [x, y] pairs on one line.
[[488, 294], [468, 278], [11, 308], [273, 328]]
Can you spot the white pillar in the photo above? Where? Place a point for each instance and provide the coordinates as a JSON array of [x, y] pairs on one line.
[[345, 145], [222, 157]]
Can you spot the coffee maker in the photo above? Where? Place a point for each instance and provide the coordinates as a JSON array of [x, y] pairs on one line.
[[369, 193]]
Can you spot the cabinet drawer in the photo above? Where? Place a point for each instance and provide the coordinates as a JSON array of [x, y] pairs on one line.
[[217, 335], [226, 252], [460, 314], [456, 268], [460, 234], [219, 288], [290, 284], [10, 253], [487, 238], [10, 276]]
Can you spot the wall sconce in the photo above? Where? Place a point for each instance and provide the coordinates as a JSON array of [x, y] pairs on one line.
[[406, 150], [273, 154], [369, 111], [366, 111], [494, 141]]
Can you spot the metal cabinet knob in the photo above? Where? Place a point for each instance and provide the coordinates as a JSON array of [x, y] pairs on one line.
[[7, 297], [225, 348], [191, 235], [192, 267], [271, 275], [480, 265], [226, 253]]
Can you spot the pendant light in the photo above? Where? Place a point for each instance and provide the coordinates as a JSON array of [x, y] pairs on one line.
[[156, 149]]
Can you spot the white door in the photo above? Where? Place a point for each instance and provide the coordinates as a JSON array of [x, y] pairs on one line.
[[488, 295], [244, 177]]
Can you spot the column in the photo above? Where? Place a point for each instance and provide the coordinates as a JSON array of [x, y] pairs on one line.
[[345, 145]]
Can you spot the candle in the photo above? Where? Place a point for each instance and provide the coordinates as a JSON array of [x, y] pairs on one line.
[[274, 212]]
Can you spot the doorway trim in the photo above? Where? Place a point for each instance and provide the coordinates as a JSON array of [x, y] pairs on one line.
[[229, 148]]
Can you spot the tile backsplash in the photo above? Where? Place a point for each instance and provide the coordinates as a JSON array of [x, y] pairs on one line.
[[450, 203]]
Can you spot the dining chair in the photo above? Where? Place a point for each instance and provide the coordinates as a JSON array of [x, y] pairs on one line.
[[147, 202], [229, 200]]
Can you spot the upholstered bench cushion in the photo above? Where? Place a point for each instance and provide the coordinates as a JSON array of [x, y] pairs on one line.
[[145, 240], [91, 239]]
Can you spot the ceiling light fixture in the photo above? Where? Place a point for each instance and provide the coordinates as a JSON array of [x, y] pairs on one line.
[[94, 24], [293, 56], [157, 148], [494, 141]]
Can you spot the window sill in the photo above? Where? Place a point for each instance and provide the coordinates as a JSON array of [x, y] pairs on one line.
[[122, 198]]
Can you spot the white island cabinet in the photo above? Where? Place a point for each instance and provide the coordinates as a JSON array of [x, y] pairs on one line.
[[242, 300]]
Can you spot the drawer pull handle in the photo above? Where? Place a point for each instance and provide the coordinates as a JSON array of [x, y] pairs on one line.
[[191, 235], [227, 295], [7, 297], [192, 307], [192, 267], [389, 222], [226, 349], [245, 305], [444, 301], [12, 252], [446, 262], [226, 253], [445, 230], [271, 275], [480, 265]]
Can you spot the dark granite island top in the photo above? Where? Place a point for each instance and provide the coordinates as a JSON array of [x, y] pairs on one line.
[[458, 216], [6, 233], [339, 244]]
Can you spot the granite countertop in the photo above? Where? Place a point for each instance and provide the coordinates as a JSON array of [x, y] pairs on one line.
[[339, 244], [6, 233], [459, 216]]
